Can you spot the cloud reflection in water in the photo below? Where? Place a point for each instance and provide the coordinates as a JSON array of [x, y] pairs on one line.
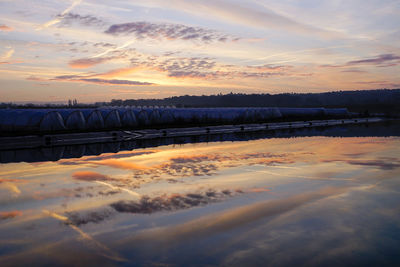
[[240, 203]]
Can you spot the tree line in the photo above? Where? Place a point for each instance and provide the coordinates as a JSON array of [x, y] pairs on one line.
[[378, 101]]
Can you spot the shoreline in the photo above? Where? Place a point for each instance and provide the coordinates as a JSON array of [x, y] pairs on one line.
[[61, 139]]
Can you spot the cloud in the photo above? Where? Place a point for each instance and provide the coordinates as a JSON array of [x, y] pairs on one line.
[[130, 192], [60, 16], [259, 190], [78, 219], [204, 68], [84, 63], [90, 176], [210, 225], [195, 165], [383, 60], [227, 11], [103, 44], [172, 202], [120, 164], [116, 82], [354, 71], [87, 20], [35, 78], [79, 78], [195, 158], [101, 248], [382, 84], [13, 188], [118, 72], [9, 185], [259, 156], [4, 215], [270, 67], [8, 180], [7, 55], [5, 28], [207, 68], [186, 64], [114, 49], [168, 31], [383, 164], [120, 155], [148, 205]]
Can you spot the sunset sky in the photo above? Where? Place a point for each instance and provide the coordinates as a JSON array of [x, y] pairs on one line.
[[97, 50]]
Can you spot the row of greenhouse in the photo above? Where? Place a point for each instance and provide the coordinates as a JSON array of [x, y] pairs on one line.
[[49, 120]]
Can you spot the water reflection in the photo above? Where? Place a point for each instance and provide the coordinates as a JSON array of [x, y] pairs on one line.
[[385, 128], [307, 201]]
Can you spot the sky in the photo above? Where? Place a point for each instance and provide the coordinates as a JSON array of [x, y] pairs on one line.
[[97, 50]]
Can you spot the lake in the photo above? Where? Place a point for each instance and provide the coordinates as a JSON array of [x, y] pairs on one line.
[[324, 197]]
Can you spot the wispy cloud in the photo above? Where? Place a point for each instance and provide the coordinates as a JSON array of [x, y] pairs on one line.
[[383, 60], [5, 58], [115, 82], [130, 192], [142, 30], [120, 155], [84, 63], [250, 16], [90, 176], [113, 49], [59, 17], [11, 186], [101, 248], [381, 163], [87, 20], [36, 78], [7, 55], [231, 219], [88, 79]]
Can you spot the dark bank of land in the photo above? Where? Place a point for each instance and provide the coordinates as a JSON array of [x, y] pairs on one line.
[[383, 101], [386, 101]]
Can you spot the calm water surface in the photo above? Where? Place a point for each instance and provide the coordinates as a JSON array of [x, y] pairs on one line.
[[278, 201]]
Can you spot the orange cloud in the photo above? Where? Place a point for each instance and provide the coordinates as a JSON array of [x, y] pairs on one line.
[[4, 215], [8, 180], [90, 176], [12, 188], [259, 190], [121, 164], [10, 62], [118, 72], [5, 28]]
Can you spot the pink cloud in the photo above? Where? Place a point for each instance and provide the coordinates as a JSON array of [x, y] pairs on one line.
[[5, 28]]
